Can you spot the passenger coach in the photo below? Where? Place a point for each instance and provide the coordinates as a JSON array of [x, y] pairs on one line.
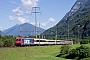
[[20, 41]]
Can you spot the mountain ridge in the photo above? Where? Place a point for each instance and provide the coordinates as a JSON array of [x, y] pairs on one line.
[[25, 28], [78, 4], [75, 25]]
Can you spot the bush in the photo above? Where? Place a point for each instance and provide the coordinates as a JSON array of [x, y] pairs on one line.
[[74, 53], [1, 43], [84, 52], [8, 43], [88, 38], [65, 49], [75, 41], [84, 41], [80, 52]]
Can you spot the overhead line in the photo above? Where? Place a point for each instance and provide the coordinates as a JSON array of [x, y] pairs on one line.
[[45, 14]]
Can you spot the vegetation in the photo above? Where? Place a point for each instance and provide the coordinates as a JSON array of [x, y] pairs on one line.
[[80, 52], [6, 41], [30, 53], [79, 25], [77, 53], [64, 49], [85, 40], [43, 52], [75, 40]]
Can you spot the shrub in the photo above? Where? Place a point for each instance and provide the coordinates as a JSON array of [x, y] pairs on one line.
[[8, 43], [75, 40], [84, 41], [1, 43], [64, 49], [88, 38], [74, 52], [84, 51], [80, 52]]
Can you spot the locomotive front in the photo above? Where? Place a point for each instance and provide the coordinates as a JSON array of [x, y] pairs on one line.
[[18, 41]]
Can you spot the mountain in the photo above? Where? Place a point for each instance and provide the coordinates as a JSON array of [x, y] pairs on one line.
[[25, 29], [1, 33], [78, 4], [76, 23]]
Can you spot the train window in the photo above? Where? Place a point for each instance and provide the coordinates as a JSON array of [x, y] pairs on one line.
[[51, 41], [18, 39], [58, 41], [37, 40], [40, 41]]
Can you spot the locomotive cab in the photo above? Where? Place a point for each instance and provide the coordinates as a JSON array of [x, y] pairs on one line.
[[18, 41]]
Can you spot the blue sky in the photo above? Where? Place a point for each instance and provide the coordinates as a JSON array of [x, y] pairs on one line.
[[14, 12]]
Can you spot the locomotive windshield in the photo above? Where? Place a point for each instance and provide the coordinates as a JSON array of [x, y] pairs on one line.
[[18, 39]]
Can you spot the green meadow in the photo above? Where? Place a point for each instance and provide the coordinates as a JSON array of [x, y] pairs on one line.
[[33, 53], [30, 53]]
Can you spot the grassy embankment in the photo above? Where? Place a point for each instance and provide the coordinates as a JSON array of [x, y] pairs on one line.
[[32, 53]]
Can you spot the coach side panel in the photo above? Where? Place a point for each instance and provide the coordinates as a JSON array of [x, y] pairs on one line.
[[27, 41]]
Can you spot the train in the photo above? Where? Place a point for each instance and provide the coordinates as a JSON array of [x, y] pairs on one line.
[[21, 41]]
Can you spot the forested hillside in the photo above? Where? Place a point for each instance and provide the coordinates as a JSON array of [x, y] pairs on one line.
[[77, 25]]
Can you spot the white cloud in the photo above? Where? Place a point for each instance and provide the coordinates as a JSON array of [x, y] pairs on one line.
[[25, 7], [44, 24], [50, 20], [33, 23], [23, 10], [11, 17], [22, 20], [18, 11], [28, 12], [28, 4]]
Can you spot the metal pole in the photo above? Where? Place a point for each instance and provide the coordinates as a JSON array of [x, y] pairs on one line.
[[39, 30], [42, 36], [56, 35], [20, 30], [78, 32], [35, 20], [68, 30], [39, 34], [35, 23]]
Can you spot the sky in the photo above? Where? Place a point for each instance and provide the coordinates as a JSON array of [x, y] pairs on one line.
[[14, 12]]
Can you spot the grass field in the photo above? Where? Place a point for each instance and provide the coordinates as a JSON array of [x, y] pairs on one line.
[[32, 53]]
